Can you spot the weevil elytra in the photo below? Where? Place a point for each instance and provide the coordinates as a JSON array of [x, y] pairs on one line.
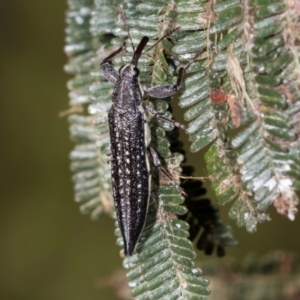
[[129, 140]]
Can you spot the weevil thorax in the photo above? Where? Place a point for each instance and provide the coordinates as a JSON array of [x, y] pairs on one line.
[[128, 92]]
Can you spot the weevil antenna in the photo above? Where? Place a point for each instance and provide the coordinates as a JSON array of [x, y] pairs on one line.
[[121, 12], [139, 50]]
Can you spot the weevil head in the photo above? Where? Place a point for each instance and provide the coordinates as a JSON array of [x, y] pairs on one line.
[[129, 72]]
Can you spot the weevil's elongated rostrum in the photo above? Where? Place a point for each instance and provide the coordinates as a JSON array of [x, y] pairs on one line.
[[129, 140]]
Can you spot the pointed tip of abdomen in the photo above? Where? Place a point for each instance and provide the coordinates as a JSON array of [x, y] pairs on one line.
[[129, 247]]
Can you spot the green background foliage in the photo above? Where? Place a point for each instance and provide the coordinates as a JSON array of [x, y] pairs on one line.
[[48, 250]]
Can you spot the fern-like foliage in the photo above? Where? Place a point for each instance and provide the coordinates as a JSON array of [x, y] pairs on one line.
[[249, 75], [92, 181]]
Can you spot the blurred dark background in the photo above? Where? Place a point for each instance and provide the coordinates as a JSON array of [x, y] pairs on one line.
[[48, 250]]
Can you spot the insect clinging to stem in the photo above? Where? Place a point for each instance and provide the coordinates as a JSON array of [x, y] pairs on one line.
[[130, 140]]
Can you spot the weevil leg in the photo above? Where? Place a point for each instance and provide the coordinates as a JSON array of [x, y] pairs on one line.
[[167, 90], [162, 91], [157, 164], [157, 115], [110, 73]]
